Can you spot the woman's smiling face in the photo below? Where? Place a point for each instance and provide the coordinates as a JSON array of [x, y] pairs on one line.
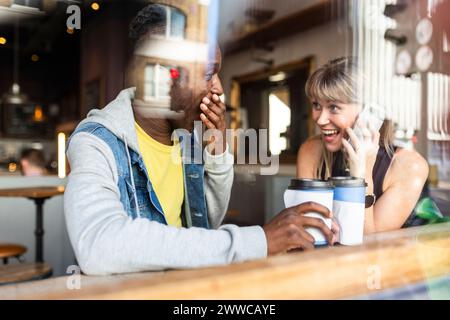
[[333, 118]]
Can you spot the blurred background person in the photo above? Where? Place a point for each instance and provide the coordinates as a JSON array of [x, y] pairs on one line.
[[32, 163]]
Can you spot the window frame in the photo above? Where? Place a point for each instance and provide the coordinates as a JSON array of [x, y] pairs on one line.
[[156, 82], [167, 34]]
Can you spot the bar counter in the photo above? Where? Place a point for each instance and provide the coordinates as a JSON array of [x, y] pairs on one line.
[[385, 262]]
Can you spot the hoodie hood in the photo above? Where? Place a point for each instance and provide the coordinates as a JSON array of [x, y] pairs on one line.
[[118, 118]]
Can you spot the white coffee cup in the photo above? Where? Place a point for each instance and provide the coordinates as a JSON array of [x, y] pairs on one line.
[[305, 190], [349, 209]]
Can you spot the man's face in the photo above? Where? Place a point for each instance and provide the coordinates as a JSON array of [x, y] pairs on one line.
[[187, 97]]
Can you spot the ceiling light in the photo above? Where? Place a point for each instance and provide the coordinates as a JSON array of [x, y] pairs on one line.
[[280, 76], [38, 114], [14, 96], [95, 6]]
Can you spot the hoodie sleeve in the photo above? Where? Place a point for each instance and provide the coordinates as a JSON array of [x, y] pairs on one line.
[[107, 241], [218, 183]]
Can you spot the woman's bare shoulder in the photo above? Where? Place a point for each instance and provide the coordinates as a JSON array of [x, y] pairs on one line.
[[308, 157], [313, 144], [409, 163]]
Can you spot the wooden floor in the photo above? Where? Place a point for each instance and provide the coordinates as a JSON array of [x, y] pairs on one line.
[[386, 261]]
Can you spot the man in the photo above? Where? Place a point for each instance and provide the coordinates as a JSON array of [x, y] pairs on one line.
[[130, 207], [32, 163]]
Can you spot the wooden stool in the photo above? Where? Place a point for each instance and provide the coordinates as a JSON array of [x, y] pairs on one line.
[[14, 273], [9, 250]]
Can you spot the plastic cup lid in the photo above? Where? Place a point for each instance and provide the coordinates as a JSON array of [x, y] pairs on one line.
[[349, 182], [310, 184]]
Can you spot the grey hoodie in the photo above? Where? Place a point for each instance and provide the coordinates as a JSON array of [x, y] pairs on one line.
[[106, 240]]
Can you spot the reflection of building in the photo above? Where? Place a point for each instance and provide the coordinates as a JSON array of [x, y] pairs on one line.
[[104, 53], [182, 45]]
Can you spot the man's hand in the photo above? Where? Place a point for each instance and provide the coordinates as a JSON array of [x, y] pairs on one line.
[[213, 117], [336, 230], [287, 230]]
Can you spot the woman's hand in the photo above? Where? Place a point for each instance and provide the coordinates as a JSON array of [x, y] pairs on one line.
[[213, 117], [362, 153]]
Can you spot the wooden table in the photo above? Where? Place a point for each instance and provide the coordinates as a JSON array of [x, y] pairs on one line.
[[38, 195], [386, 261], [15, 273]]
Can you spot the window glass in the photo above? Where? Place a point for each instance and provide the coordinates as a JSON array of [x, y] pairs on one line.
[[177, 23], [164, 81], [149, 82]]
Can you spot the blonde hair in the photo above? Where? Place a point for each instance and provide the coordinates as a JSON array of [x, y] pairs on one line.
[[340, 80]]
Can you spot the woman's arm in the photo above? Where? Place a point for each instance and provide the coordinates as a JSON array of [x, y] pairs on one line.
[[404, 183], [308, 157]]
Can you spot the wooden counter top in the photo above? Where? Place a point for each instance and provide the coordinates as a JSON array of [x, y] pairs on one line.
[[386, 260], [33, 192]]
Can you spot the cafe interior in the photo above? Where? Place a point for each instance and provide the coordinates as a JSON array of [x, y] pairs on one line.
[[60, 59]]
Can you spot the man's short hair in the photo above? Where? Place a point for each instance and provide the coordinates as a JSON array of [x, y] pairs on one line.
[[151, 18], [34, 156]]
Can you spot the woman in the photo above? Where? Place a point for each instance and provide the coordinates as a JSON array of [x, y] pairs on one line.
[[395, 177]]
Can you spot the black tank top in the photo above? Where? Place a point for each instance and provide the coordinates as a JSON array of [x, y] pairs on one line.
[[380, 168], [382, 163]]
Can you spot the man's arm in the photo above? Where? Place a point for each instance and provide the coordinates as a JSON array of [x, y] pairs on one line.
[[218, 183], [218, 160], [106, 240]]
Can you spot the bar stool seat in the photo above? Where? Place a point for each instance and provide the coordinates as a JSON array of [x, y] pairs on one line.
[[11, 250], [14, 273]]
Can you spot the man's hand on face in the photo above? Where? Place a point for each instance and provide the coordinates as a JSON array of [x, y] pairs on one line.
[[287, 230], [213, 117]]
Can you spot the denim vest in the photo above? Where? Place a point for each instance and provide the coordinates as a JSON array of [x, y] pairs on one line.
[[136, 192]]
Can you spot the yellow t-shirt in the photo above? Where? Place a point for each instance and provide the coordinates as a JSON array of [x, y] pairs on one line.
[[165, 171]]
